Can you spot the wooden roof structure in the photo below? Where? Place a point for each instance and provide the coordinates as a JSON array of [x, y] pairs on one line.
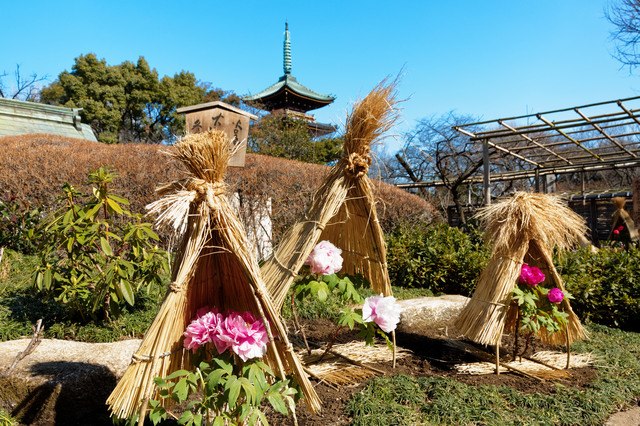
[[598, 136]]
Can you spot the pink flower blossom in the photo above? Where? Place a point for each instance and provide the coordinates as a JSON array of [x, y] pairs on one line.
[[530, 275], [325, 259], [384, 311], [203, 329], [555, 295], [616, 231], [246, 335], [620, 228]]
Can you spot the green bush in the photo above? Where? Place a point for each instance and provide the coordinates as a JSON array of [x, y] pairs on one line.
[[19, 223], [438, 257], [605, 285], [97, 255]]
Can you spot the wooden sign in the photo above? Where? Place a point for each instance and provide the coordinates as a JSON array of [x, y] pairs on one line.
[[221, 116]]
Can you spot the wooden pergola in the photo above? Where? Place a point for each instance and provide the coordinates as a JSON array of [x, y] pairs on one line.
[[600, 136]]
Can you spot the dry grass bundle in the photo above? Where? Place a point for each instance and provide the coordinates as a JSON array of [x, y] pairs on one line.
[[621, 217], [214, 267], [544, 365], [343, 208], [340, 372], [524, 229]]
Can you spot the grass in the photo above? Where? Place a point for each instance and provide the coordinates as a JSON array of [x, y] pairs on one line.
[[401, 399], [21, 307]]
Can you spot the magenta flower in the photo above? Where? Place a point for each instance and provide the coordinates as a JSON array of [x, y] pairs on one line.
[[530, 275], [384, 311], [616, 232], [325, 259], [555, 295], [246, 335]]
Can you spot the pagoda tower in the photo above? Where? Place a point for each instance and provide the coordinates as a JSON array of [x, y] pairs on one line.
[[289, 98]]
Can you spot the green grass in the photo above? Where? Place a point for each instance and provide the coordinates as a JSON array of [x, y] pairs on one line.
[[21, 307], [401, 399]]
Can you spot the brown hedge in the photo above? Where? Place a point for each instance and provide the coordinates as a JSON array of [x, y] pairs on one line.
[[34, 167]]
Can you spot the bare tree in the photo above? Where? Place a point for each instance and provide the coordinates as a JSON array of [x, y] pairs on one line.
[[25, 89], [625, 16]]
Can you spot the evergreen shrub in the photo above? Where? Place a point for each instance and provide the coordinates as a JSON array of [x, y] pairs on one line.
[[605, 285], [436, 257]]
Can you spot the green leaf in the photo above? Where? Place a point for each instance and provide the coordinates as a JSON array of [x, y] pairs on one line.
[[181, 389], [127, 291], [233, 386], [114, 206], [277, 403], [106, 247]]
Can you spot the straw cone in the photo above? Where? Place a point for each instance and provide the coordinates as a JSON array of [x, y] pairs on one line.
[[621, 217], [524, 229], [343, 210], [214, 267]]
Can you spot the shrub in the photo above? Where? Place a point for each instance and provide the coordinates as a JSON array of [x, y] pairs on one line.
[[605, 285], [34, 167], [439, 258], [19, 223], [97, 255]]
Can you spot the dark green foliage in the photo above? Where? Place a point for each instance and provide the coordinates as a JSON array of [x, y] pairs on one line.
[[19, 225], [605, 285], [287, 137], [436, 257], [401, 399], [129, 102]]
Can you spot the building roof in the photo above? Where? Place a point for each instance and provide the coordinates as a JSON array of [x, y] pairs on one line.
[[287, 93], [20, 117], [215, 104]]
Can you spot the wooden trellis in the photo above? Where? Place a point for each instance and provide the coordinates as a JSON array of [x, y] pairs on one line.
[[599, 136]]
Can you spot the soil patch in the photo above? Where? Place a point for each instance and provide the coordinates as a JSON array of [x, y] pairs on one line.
[[431, 357]]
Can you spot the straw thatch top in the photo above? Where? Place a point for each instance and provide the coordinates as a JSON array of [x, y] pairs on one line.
[[530, 216]]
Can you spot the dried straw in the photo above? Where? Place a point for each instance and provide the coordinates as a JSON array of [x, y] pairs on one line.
[[343, 209], [524, 228], [213, 267], [545, 365], [621, 217]]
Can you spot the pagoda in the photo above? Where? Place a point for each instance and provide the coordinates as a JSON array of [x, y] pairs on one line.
[[289, 98]]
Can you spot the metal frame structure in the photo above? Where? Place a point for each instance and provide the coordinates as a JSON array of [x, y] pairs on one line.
[[599, 136]]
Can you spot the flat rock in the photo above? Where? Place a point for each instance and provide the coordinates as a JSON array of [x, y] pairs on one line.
[[62, 381], [428, 313]]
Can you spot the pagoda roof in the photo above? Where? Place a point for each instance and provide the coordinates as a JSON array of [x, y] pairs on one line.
[[287, 93]]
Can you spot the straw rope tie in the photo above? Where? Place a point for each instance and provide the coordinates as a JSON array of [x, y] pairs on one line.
[[490, 302], [357, 164], [175, 287], [148, 358], [207, 191]]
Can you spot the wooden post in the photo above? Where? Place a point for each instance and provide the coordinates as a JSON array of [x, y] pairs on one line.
[[487, 172], [538, 179]]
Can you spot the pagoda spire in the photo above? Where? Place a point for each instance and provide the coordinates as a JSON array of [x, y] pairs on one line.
[[287, 50]]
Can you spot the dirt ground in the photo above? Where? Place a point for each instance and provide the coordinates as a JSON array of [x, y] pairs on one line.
[[431, 357]]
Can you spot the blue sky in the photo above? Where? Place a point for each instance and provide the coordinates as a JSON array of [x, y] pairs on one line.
[[490, 59]]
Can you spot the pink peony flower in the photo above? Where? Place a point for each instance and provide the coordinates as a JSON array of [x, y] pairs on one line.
[[620, 228], [616, 232], [325, 259], [530, 275], [204, 329], [246, 335], [384, 311], [555, 295]]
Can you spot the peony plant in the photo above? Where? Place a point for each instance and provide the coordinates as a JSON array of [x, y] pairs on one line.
[[230, 381], [379, 315], [538, 306]]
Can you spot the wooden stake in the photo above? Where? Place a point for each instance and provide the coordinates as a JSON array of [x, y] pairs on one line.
[[393, 336], [566, 331], [498, 355]]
